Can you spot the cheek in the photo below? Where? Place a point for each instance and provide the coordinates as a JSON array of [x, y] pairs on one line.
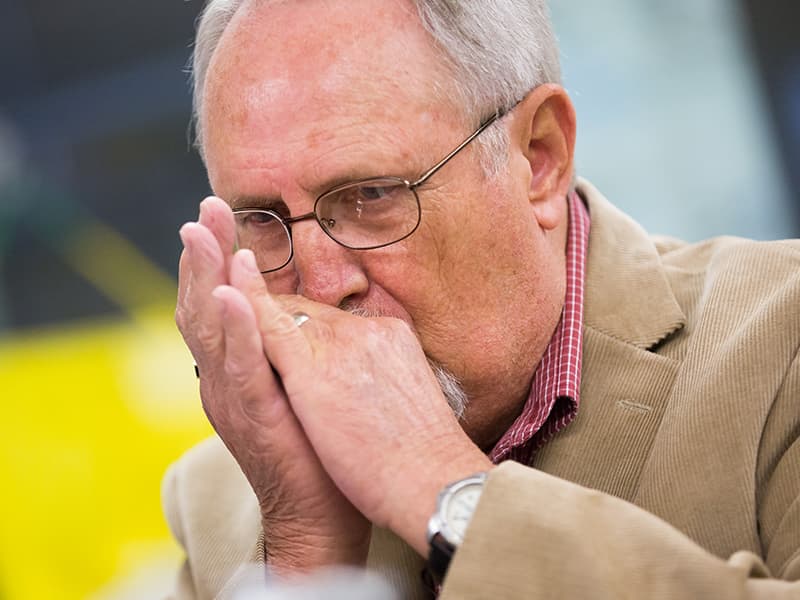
[[425, 276], [478, 242], [461, 262], [403, 271]]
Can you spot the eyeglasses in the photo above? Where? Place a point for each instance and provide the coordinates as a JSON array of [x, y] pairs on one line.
[[360, 215]]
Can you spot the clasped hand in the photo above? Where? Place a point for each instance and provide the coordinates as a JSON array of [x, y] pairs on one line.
[[336, 424]]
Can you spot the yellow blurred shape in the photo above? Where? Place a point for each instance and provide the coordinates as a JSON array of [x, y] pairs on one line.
[[91, 416], [116, 267]]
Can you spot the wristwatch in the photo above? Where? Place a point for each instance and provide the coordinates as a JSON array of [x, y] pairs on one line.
[[454, 508]]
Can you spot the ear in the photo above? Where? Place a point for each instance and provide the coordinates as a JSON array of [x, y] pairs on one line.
[[544, 127]]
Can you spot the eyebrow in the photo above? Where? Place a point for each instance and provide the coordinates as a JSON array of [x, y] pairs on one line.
[[261, 203], [277, 204]]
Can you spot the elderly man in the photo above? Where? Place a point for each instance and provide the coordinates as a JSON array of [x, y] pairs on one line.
[[429, 324]]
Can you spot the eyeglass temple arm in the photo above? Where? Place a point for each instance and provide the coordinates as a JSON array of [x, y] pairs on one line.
[[429, 173]]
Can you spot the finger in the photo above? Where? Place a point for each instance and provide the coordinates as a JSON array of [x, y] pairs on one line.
[[284, 342], [199, 317], [245, 364], [212, 216], [245, 276], [293, 303], [184, 274], [205, 259], [217, 216]]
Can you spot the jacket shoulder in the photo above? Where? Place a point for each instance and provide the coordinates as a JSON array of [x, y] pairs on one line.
[[734, 276], [733, 253], [213, 513]]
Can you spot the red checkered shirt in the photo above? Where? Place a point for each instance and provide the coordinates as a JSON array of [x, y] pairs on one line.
[[555, 390]]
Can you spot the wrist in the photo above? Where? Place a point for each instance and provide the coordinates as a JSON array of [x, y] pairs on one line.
[[416, 503], [294, 549], [455, 507]]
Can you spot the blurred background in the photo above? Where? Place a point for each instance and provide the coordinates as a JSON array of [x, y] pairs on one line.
[[689, 119]]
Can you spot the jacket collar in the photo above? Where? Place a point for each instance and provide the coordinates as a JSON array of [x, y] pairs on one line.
[[628, 295]]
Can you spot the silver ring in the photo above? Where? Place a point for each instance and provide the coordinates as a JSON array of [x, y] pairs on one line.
[[300, 318]]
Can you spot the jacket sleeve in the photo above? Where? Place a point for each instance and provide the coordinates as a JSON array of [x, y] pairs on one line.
[[213, 514], [184, 586], [537, 536], [778, 481]]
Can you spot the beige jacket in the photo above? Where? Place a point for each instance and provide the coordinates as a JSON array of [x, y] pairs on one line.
[[679, 478]]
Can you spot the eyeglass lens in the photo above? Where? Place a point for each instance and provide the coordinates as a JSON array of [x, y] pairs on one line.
[[266, 235], [365, 215], [369, 214]]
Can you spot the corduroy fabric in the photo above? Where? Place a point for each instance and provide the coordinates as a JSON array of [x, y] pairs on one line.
[[679, 477]]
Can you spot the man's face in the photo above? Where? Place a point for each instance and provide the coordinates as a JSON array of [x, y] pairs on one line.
[[302, 96]]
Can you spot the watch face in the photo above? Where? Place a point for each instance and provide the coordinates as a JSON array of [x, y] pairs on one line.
[[458, 511]]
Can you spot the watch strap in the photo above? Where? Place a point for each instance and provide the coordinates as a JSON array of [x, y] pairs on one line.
[[441, 553]]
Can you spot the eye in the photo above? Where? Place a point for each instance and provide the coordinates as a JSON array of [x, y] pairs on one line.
[[260, 217], [255, 218], [374, 192]]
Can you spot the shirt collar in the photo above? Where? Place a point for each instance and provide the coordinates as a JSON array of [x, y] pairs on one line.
[[555, 390]]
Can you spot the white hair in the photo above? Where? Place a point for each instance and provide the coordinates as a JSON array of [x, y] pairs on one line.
[[451, 387], [496, 50]]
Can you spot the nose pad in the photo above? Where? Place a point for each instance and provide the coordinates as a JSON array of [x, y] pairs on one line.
[[328, 224]]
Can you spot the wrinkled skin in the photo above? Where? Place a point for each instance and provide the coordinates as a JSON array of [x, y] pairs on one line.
[[354, 383], [356, 430], [249, 409]]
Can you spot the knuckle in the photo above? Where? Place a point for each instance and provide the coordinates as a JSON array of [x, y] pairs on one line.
[[283, 325], [207, 336], [180, 319], [392, 328], [238, 373], [399, 325], [377, 331], [323, 332]]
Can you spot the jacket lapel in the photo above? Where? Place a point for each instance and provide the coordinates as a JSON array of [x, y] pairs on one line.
[[629, 309], [628, 296]]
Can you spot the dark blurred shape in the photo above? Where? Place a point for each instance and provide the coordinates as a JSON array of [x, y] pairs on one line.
[[775, 34], [99, 96], [49, 45]]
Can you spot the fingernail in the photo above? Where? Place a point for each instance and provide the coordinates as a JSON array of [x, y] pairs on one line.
[[182, 232], [205, 203]]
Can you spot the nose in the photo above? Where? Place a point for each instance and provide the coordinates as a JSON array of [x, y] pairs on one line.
[[326, 272]]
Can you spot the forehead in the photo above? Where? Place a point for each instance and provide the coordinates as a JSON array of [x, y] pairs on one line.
[[301, 71]]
